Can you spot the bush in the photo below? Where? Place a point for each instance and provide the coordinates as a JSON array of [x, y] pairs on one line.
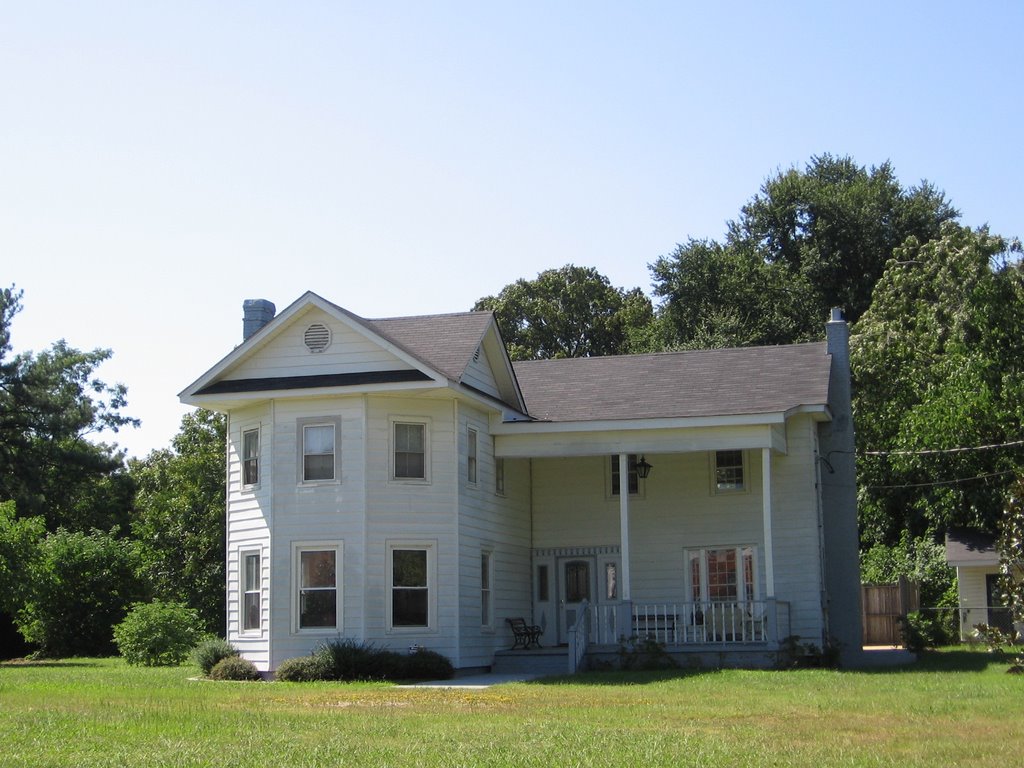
[[427, 665], [210, 651], [235, 668], [346, 659], [921, 632], [76, 589], [157, 634], [304, 669]]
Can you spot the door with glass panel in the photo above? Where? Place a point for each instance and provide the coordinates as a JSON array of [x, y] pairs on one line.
[[576, 576]]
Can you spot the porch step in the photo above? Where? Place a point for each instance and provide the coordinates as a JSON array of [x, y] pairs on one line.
[[540, 661]]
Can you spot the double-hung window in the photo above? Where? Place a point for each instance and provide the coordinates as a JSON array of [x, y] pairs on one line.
[[634, 478], [250, 457], [486, 593], [499, 476], [410, 451], [729, 474], [318, 452], [411, 577], [252, 591], [471, 457], [317, 587]]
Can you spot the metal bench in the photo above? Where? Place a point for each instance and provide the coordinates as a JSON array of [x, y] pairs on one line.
[[525, 635]]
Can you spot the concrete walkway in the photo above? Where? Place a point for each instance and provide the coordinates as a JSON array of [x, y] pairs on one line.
[[475, 681]]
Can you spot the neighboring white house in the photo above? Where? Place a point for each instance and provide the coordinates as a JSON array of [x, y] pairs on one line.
[[976, 559], [400, 481]]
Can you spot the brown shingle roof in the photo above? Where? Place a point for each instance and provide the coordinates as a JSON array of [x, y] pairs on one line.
[[719, 382], [444, 342], [971, 547]]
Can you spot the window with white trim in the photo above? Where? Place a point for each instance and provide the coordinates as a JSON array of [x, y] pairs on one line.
[[410, 455], [499, 476], [471, 458], [411, 579], [252, 591], [729, 471], [486, 593], [251, 457], [318, 452], [721, 574], [634, 478], [317, 587]]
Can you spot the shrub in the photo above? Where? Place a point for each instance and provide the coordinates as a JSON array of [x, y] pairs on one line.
[[235, 668], [157, 634], [78, 586], [921, 632], [304, 669], [347, 659], [210, 651], [427, 665]]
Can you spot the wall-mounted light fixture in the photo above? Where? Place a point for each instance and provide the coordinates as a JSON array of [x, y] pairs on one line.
[[643, 468]]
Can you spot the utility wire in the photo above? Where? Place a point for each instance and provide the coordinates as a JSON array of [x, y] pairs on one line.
[[943, 482], [1013, 444]]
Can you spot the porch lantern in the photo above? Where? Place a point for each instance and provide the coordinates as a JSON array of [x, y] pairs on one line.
[[643, 468]]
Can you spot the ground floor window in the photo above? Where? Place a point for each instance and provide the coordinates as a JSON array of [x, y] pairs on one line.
[[252, 591], [486, 594], [318, 587], [721, 574], [411, 585]]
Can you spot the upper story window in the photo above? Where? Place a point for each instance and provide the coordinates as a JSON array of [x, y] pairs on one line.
[[410, 451], [318, 452], [499, 476], [250, 457], [471, 457], [729, 474], [634, 479]]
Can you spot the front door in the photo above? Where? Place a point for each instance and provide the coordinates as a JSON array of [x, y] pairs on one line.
[[575, 584]]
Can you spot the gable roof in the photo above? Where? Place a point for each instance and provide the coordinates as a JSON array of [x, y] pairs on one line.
[[718, 382], [967, 547], [437, 348], [445, 342]]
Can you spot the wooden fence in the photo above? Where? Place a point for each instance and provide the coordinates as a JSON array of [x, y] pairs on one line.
[[883, 606]]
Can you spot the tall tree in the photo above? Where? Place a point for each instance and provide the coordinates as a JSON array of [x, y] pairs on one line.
[[938, 366], [808, 241], [179, 517], [569, 312], [50, 403]]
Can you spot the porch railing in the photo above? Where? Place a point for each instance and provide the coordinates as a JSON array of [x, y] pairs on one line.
[[579, 637], [735, 622]]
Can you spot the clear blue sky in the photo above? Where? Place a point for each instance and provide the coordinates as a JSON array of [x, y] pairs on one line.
[[162, 162]]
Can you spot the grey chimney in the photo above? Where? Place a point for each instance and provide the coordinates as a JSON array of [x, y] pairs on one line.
[[255, 314]]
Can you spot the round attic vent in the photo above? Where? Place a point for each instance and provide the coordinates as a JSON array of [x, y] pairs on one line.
[[317, 337]]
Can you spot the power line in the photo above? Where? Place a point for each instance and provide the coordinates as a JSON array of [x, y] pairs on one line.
[[934, 451], [942, 482]]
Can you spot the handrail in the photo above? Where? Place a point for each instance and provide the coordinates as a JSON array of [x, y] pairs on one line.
[[578, 637]]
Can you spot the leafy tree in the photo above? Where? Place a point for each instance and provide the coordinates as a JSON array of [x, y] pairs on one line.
[[49, 404], [938, 366], [809, 241], [569, 312], [718, 296], [19, 550], [1011, 550], [179, 517], [76, 590]]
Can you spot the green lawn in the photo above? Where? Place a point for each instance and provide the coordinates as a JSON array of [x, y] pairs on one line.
[[954, 708]]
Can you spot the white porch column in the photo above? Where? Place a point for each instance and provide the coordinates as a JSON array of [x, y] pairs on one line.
[[625, 594], [766, 513]]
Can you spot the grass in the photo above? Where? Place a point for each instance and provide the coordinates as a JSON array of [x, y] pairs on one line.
[[953, 708]]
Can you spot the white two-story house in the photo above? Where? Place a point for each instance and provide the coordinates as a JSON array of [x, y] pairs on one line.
[[400, 481]]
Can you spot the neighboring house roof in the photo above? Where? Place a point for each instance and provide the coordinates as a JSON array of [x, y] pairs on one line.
[[444, 342], [719, 382], [967, 547]]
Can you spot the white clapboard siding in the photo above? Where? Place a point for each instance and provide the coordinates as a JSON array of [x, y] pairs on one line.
[[479, 374], [287, 355]]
